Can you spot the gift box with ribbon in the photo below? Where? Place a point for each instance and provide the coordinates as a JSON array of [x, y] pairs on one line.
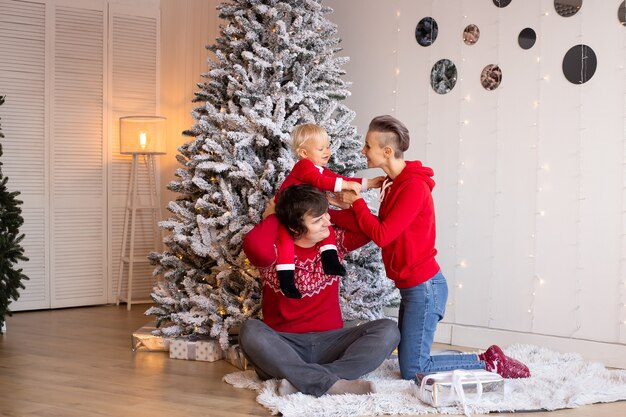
[[235, 357], [145, 339], [195, 349], [459, 387]]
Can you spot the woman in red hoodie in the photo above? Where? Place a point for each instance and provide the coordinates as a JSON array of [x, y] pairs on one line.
[[405, 230]]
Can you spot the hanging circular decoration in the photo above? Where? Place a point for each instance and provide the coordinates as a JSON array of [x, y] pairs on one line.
[[426, 31], [471, 33], [621, 13], [527, 38], [491, 77], [567, 8], [579, 64], [443, 76], [501, 3]]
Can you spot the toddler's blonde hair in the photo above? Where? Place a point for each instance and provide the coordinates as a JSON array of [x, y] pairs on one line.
[[301, 133]]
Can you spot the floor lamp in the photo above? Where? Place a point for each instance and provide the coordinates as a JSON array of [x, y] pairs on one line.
[[139, 136]]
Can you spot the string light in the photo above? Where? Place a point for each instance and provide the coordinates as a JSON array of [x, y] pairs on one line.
[[459, 175], [394, 109], [578, 270], [496, 186], [539, 172], [622, 243]]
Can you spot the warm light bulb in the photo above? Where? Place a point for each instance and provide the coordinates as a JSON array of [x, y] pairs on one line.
[[143, 140]]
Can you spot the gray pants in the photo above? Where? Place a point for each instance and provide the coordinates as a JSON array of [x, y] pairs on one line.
[[314, 361]]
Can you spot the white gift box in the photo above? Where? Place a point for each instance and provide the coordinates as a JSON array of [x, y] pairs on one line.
[[459, 387], [208, 350]]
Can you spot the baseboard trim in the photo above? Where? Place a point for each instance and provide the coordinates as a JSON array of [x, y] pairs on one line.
[[610, 354]]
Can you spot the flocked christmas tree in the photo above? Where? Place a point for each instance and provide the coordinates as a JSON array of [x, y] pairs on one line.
[[274, 67], [11, 250]]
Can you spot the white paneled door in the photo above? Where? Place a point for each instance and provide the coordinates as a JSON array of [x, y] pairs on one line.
[[66, 88]]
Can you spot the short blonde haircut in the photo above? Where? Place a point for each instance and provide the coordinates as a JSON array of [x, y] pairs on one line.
[[302, 133]]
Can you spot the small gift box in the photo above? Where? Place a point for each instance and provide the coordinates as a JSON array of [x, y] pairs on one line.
[[143, 339], [459, 387], [235, 357], [207, 350]]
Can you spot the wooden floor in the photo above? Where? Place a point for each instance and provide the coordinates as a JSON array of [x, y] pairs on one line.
[[78, 362]]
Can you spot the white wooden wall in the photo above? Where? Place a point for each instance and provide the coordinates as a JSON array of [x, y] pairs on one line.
[[531, 177], [69, 70]]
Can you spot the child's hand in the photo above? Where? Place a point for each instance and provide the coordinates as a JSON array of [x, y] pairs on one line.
[[351, 186], [376, 182]]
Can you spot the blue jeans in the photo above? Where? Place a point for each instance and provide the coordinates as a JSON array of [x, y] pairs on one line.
[[421, 308]]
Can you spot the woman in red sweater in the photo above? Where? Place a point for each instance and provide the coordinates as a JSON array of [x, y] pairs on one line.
[[302, 341], [405, 230]]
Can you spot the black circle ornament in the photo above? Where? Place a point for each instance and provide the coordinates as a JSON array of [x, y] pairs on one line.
[[491, 77], [621, 13], [579, 64], [567, 8], [443, 76], [527, 38], [426, 31], [471, 33], [501, 3]]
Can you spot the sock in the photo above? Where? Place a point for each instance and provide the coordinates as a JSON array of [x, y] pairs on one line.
[[285, 388], [288, 284], [357, 386], [496, 361], [331, 264]]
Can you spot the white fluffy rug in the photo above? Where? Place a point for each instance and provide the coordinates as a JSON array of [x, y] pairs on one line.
[[558, 381]]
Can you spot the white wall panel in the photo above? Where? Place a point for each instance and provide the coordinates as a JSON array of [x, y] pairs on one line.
[[530, 177], [22, 80], [58, 117], [78, 171], [516, 172], [134, 77]]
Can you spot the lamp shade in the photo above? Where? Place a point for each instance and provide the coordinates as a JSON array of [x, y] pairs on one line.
[[142, 134]]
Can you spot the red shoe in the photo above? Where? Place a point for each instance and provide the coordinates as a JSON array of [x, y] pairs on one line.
[[496, 361]]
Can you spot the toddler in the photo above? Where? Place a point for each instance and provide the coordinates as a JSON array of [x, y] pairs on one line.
[[311, 145]]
